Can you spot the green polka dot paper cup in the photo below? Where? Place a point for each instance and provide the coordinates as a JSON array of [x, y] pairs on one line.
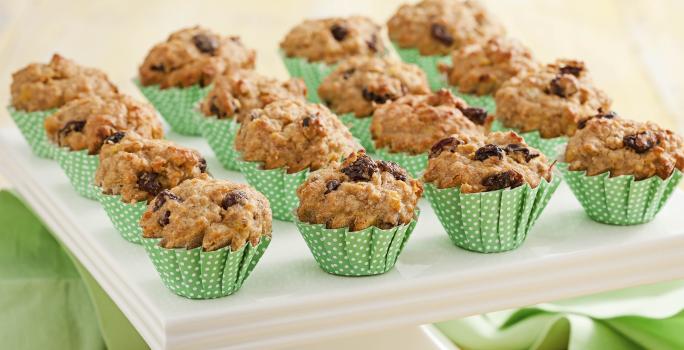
[[124, 216], [486, 101], [197, 274], [414, 164], [31, 125], [80, 168], [220, 135], [490, 222], [367, 252], [312, 73], [553, 148], [277, 185], [620, 200], [429, 65], [360, 128], [176, 105]]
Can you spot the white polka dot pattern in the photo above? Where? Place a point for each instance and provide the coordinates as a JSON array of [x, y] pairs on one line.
[[31, 125], [80, 168], [124, 216], [360, 128], [552, 148], [197, 274], [620, 200], [490, 222], [312, 73], [220, 135], [414, 164], [371, 251], [176, 105]]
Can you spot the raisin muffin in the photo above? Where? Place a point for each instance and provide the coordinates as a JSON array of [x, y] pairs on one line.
[[41, 86], [208, 213], [193, 56], [606, 143], [437, 27], [360, 84], [359, 193], [486, 163], [413, 123], [330, 40], [238, 92], [294, 135], [551, 99], [138, 169], [85, 123], [481, 68]]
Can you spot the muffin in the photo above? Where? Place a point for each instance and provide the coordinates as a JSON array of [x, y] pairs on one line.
[[360, 85], [204, 236], [312, 48], [404, 130], [232, 98], [368, 208], [488, 191], [622, 171], [425, 33], [280, 143], [175, 74], [38, 89]]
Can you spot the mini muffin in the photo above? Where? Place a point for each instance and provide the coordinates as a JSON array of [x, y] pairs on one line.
[[482, 68], [330, 40], [208, 213], [359, 85], [138, 169], [550, 100], [293, 135], [437, 27], [85, 123], [193, 56], [486, 163]]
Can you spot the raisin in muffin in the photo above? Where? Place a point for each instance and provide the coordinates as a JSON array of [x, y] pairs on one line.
[[194, 56], [358, 85], [437, 27], [39, 86], [330, 40], [237, 93], [481, 68], [138, 169], [606, 143], [208, 213], [478, 164], [86, 122], [551, 99], [413, 123], [359, 193], [294, 135]]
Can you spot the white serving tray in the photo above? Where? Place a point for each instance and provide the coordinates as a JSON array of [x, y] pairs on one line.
[[289, 301]]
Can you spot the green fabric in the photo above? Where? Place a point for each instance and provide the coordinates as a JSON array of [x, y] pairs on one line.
[[220, 135], [32, 127], [125, 217], [553, 147], [312, 73], [360, 128], [80, 168]]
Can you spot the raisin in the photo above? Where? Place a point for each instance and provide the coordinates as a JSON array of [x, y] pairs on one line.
[[450, 143], [339, 32], [487, 151], [162, 197], [306, 121], [393, 168], [331, 185], [362, 169], [516, 147], [562, 87], [640, 142], [202, 165], [205, 43], [440, 33], [348, 73], [149, 182], [510, 178], [583, 123], [373, 43], [373, 97], [114, 138], [233, 198], [164, 220], [476, 115], [72, 126], [159, 67], [571, 70]]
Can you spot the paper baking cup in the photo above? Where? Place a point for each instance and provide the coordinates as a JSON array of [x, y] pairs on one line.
[[370, 251], [124, 216], [197, 274], [553, 148], [277, 185], [80, 168], [32, 127], [220, 135], [360, 128], [490, 222], [176, 105], [312, 73], [485, 101], [620, 200], [414, 164], [428, 64]]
